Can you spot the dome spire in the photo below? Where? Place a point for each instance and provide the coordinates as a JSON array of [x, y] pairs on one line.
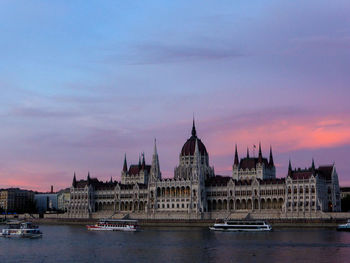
[[194, 133]]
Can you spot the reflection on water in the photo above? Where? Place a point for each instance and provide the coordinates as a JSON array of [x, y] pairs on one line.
[[76, 244]]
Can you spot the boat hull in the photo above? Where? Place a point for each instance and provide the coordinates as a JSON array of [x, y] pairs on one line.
[[21, 235], [239, 230], [96, 228]]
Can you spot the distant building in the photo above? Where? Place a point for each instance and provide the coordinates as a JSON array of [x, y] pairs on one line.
[[46, 202], [344, 192], [196, 190], [63, 199], [16, 200]]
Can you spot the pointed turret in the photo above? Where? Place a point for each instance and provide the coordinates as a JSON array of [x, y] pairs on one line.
[[111, 181], [247, 152], [155, 170], [74, 183], [194, 133], [155, 152], [143, 162], [313, 165], [139, 162], [289, 167], [125, 166], [236, 156], [260, 154], [271, 163], [88, 178]]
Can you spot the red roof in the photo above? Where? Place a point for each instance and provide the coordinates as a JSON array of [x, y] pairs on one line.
[[324, 172], [250, 163], [190, 146], [134, 169], [300, 175]]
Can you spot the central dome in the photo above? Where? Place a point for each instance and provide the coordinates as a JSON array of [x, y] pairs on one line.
[[190, 145]]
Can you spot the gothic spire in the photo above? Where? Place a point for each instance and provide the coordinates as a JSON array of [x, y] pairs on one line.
[[313, 165], [139, 162], [155, 170], [260, 154], [143, 161], [247, 152], [271, 163], [88, 178], [289, 166], [236, 156], [74, 183], [155, 147], [194, 133], [125, 166]]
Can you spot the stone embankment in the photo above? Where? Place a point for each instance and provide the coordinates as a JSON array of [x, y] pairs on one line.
[[184, 219]]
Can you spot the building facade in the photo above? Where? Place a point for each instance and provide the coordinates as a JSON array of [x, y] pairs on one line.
[[63, 199], [195, 189], [46, 202], [17, 200]]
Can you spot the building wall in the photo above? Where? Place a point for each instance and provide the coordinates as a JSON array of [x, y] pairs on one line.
[[46, 202], [63, 199], [16, 200]]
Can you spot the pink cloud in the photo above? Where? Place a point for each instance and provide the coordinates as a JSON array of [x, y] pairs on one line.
[[284, 135]]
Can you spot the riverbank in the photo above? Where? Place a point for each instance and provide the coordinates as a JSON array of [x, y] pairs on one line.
[[193, 223], [59, 219]]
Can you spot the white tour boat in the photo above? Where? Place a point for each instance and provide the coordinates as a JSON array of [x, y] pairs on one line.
[[247, 226], [21, 229], [344, 227], [115, 225]]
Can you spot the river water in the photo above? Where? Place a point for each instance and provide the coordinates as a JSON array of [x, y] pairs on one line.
[[65, 243]]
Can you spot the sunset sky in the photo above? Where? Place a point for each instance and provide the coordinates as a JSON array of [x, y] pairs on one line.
[[83, 82]]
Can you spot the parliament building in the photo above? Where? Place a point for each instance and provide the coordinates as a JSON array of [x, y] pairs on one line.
[[196, 191]]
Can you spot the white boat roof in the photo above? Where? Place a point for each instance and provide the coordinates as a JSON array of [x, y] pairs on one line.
[[118, 220]]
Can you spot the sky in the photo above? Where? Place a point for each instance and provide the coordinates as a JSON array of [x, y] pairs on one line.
[[84, 82]]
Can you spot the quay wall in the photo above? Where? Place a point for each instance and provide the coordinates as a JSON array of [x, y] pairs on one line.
[[201, 220]]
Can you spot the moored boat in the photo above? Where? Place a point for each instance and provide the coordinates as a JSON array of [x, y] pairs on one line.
[[241, 226], [21, 229], [114, 225], [344, 227]]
